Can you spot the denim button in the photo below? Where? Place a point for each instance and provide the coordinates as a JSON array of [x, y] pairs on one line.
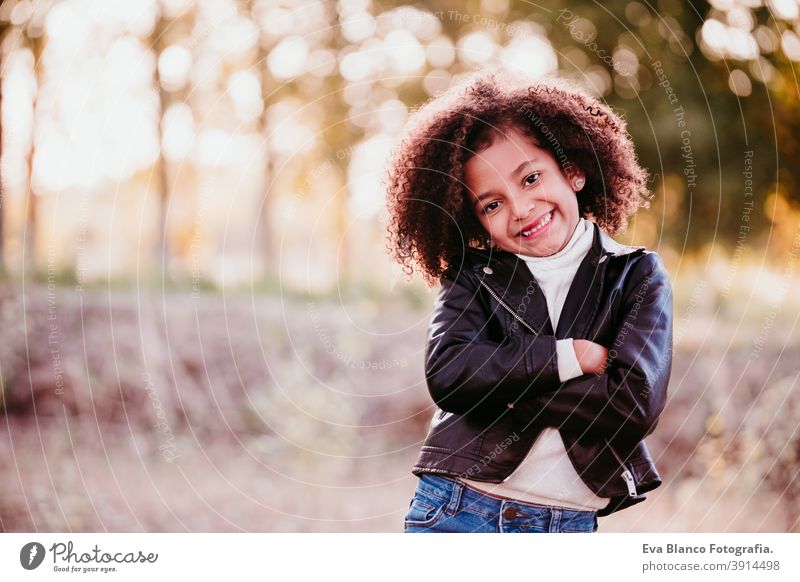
[[509, 512]]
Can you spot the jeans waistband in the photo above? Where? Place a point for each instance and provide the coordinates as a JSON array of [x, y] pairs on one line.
[[461, 494]]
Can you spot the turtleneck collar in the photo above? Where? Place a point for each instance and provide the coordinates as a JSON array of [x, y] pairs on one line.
[[581, 240]]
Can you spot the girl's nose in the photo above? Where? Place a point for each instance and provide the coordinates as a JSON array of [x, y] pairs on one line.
[[523, 209]]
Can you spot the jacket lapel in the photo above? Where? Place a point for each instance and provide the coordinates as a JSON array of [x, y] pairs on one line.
[[583, 297], [511, 280]]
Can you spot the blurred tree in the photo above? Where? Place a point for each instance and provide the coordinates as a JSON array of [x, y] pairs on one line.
[[22, 25], [253, 9], [158, 43], [335, 136], [34, 36], [5, 26]]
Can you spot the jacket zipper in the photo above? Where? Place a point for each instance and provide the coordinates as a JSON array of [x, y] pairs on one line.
[[511, 311], [600, 261], [627, 476]]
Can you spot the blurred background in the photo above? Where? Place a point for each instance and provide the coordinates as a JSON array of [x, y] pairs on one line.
[[201, 329]]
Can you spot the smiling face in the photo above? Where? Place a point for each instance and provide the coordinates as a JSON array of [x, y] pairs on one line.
[[521, 197]]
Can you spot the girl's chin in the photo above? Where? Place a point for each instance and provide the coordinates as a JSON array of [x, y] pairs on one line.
[[536, 247], [542, 248]]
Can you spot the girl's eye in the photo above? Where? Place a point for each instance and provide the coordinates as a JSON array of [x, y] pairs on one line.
[[491, 207], [532, 179]]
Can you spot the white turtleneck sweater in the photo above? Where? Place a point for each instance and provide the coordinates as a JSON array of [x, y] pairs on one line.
[[546, 475]]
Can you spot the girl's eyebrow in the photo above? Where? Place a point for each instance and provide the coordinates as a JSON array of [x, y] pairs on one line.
[[514, 173], [521, 166], [482, 196]]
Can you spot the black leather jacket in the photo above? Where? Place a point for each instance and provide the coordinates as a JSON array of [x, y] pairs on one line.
[[491, 368]]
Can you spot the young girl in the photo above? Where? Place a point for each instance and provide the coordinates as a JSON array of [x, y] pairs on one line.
[[550, 344]]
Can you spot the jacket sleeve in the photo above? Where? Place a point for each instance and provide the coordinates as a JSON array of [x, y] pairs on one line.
[[628, 398], [465, 369]]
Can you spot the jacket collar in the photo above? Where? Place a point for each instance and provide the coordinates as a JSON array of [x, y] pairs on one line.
[[510, 279]]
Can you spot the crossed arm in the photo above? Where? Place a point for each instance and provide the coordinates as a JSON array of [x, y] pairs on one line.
[[622, 390], [626, 397], [467, 369]]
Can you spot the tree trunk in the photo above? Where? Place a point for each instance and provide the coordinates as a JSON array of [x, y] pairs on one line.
[[337, 136], [3, 28], [29, 238], [264, 234], [161, 258]]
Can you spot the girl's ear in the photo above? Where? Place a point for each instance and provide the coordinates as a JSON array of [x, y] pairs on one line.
[[577, 178]]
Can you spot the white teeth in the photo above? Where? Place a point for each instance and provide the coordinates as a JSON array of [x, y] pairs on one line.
[[539, 226]]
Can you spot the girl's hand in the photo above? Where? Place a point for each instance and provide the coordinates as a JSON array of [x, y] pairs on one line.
[[592, 357]]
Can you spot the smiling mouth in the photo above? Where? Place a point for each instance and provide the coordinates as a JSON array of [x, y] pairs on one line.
[[537, 226]]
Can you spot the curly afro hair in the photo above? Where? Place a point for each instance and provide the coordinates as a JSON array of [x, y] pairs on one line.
[[431, 221]]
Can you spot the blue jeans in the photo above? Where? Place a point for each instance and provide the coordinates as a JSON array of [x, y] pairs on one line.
[[442, 504]]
